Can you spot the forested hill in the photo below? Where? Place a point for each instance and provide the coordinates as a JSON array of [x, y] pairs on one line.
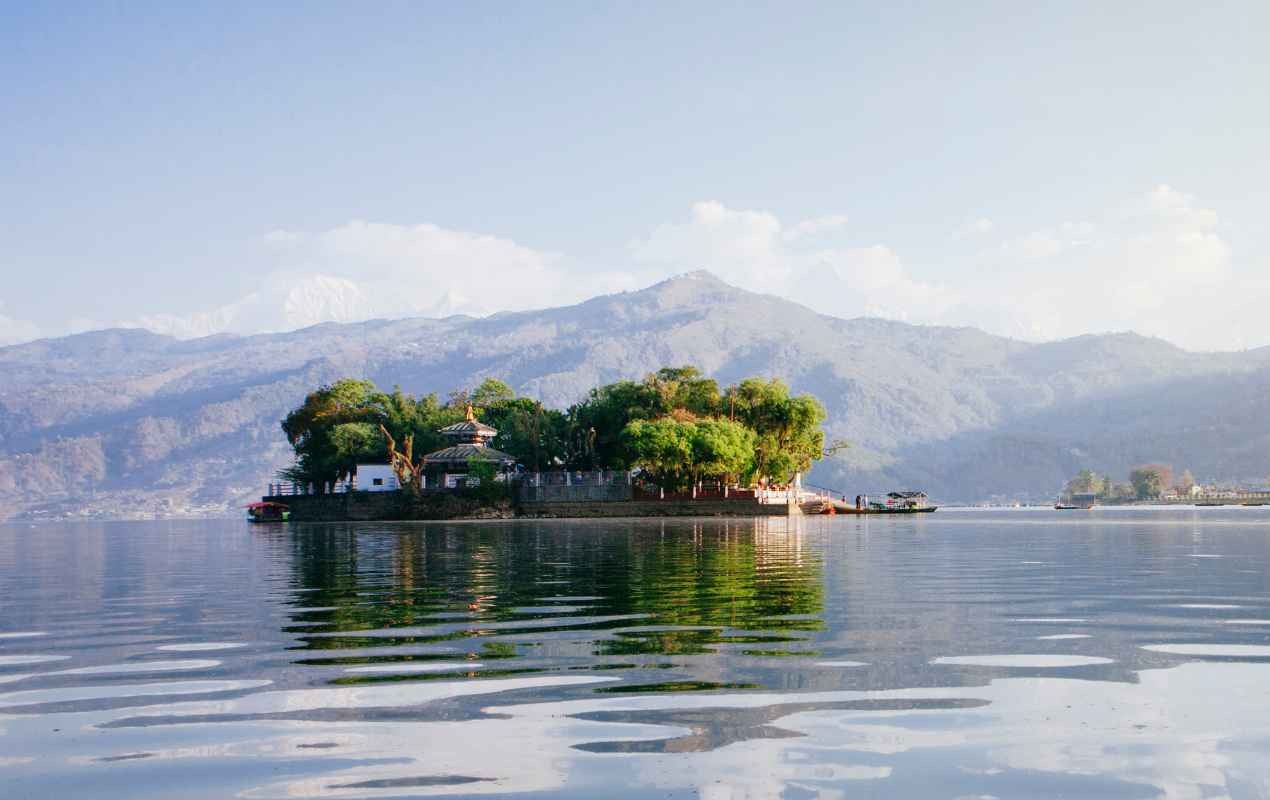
[[125, 421]]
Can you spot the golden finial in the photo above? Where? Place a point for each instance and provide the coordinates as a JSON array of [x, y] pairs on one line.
[[471, 415]]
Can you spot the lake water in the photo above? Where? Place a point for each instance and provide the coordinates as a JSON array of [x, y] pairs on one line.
[[965, 654]]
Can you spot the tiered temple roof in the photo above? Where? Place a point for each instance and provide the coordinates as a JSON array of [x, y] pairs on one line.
[[470, 440]]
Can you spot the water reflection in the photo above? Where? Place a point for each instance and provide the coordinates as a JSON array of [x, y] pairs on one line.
[[1120, 654]]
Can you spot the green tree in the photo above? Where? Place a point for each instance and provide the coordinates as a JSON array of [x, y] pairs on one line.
[[484, 473], [597, 423], [690, 430], [1119, 492], [722, 449], [356, 442], [684, 389], [676, 453], [322, 457], [1149, 480], [663, 448], [787, 429], [421, 417], [535, 435], [490, 393]]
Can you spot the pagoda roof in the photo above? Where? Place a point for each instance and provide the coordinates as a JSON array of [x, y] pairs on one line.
[[464, 452], [468, 427]]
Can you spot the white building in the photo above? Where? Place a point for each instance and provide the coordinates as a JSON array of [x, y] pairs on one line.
[[375, 478]]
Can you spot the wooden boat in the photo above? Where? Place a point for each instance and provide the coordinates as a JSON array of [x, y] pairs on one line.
[[268, 511], [903, 503], [879, 508], [896, 503]]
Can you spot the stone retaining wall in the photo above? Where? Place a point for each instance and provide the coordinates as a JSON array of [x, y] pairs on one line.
[[359, 506], [658, 508], [365, 506]]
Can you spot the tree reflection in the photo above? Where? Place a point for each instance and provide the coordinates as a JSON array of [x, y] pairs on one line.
[[581, 590]]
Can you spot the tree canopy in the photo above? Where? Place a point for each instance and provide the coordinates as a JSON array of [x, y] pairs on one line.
[[1150, 480], [675, 424], [676, 453]]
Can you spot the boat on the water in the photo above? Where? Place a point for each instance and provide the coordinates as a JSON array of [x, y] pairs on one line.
[[267, 511], [1077, 501], [895, 503], [903, 503]]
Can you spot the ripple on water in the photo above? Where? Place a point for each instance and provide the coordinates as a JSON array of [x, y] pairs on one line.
[[15, 661], [75, 693], [22, 634], [1220, 606], [1047, 620], [142, 666], [405, 669], [1219, 650], [198, 647], [842, 663], [1061, 636], [1246, 622], [1023, 661]]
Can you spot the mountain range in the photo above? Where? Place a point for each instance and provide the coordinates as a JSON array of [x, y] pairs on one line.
[[127, 422]]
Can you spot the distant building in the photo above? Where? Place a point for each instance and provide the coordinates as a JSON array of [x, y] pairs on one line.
[[448, 467]]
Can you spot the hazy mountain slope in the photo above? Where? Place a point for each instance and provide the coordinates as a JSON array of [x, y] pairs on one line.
[[114, 421]]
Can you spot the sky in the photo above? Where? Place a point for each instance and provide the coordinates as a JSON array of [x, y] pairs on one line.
[[1036, 172]]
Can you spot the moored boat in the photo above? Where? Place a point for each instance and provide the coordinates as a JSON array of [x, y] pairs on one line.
[[903, 503], [268, 511]]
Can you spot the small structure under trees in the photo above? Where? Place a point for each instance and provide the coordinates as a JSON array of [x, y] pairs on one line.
[[469, 453]]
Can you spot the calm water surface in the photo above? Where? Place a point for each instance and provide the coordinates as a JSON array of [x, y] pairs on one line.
[[1116, 654]]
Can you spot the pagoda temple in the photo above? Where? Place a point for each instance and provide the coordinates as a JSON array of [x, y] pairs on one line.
[[448, 467]]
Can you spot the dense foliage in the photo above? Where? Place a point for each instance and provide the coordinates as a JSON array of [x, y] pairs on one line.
[[676, 453], [675, 425], [1146, 482]]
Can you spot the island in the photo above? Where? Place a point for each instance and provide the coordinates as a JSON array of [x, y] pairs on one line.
[[672, 444]]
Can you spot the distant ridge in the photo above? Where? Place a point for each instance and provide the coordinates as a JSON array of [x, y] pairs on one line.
[[126, 421]]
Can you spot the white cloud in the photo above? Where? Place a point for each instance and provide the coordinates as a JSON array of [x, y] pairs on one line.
[[742, 246], [752, 249], [816, 226], [876, 276], [976, 227], [1163, 269], [283, 302], [1035, 246], [1160, 266], [363, 270]]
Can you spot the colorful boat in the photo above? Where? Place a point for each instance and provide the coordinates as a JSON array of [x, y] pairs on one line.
[[267, 511]]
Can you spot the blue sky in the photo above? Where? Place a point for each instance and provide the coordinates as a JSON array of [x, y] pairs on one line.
[[1038, 172]]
